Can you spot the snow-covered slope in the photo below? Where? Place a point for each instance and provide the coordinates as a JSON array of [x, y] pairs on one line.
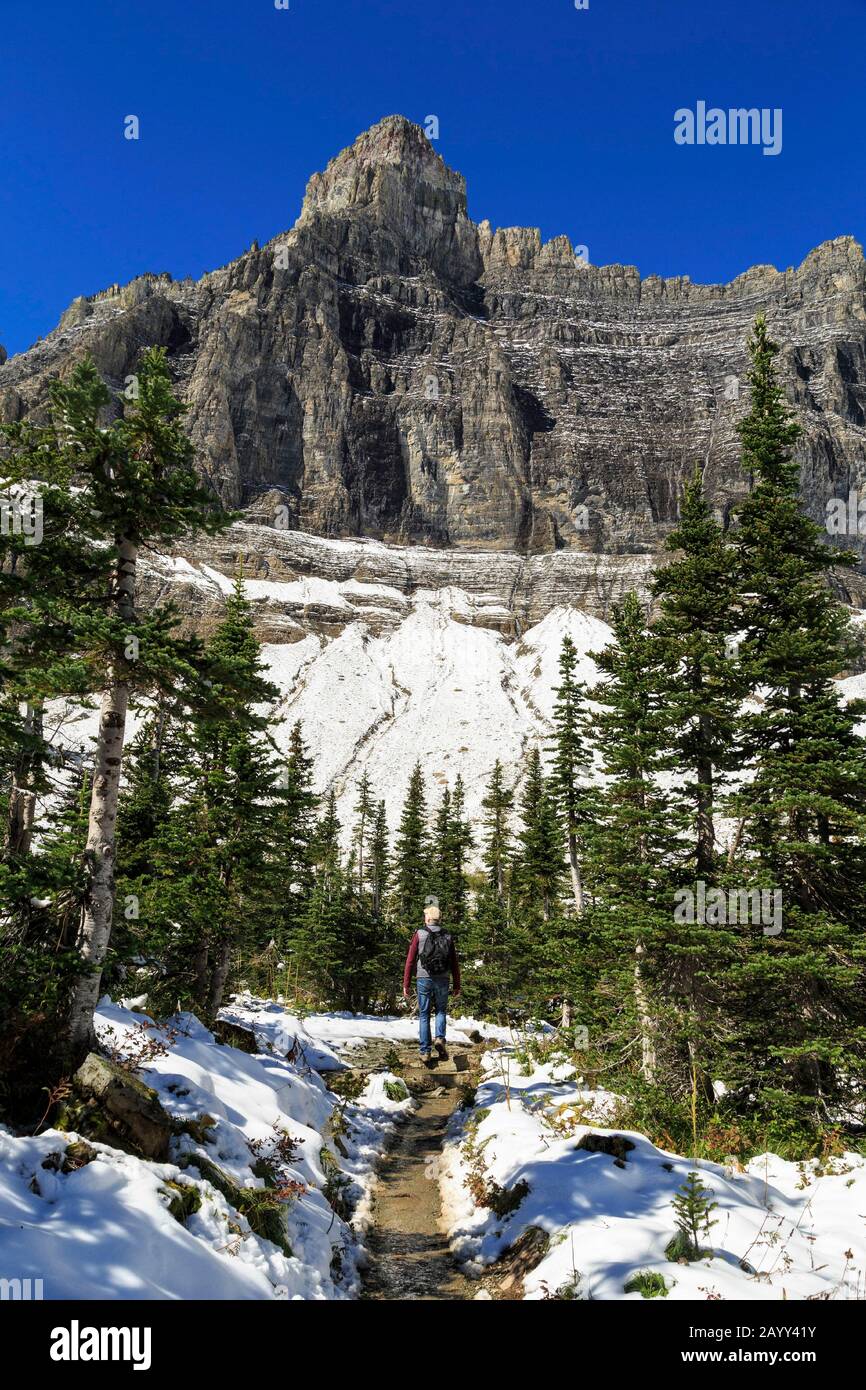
[[431, 686], [435, 690], [383, 675], [781, 1230], [105, 1230]]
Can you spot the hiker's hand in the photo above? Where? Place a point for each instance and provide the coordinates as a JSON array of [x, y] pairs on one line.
[[405, 994], [457, 993]]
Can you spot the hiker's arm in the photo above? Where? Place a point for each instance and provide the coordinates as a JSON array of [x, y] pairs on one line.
[[410, 961], [455, 967]]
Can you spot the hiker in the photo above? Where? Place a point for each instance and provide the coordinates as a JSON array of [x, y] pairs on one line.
[[435, 954]]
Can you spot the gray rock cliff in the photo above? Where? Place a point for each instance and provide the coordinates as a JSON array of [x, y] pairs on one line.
[[388, 369]]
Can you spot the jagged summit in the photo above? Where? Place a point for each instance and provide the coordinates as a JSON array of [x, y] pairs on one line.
[[394, 144], [393, 179]]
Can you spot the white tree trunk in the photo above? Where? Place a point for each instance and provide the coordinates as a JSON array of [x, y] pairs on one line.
[[645, 1018], [22, 800], [644, 1013], [576, 879], [96, 920], [19, 827]]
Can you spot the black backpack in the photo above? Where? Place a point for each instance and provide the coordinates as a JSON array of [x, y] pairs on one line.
[[436, 952]]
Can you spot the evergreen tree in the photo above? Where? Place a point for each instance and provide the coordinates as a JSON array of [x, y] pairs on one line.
[[144, 810], [461, 843], [497, 805], [635, 846], [440, 851], [701, 687], [539, 859], [488, 975], [701, 683], [117, 487], [378, 866], [44, 582], [571, 766], [321, 940], [232, 786], [364, 812], [693, 1207], [151, 758], [411, 868], [801, 988], [451, 843], [293, 833], [388, 937], [199, 831]]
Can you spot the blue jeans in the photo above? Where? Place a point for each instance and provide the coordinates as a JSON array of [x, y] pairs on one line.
[[432, 994]]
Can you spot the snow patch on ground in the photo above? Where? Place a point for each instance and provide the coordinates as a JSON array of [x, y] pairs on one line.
[[104, 1231], [783, 1230], [326, 1041]]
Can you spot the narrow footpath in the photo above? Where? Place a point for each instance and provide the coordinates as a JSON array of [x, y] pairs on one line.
[[409, 1256]]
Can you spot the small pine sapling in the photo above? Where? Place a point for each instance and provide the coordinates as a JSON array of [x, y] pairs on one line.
[[694, 1207]]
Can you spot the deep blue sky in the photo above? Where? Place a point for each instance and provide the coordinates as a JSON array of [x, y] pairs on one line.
[[558, 118]]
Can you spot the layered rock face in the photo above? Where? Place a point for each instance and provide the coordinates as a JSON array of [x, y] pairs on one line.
[[299, 584], [389, 369]]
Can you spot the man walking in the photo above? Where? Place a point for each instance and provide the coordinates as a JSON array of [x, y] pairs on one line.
[[434, 955]]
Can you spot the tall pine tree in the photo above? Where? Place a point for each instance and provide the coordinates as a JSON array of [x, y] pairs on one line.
[[802, 988]]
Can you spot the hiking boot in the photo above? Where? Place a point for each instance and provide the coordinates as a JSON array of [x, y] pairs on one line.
[[427, 1059], [441, 1049]]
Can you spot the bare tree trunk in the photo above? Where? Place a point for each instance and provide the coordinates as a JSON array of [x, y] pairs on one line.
[[735, 842], [218, 979], [19, 823], [95, 933], [644, 1013], [576, 878], [200, 972], [22, 799], [647, 1024]]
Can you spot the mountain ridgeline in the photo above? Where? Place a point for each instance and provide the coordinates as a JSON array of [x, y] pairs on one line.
[[390, 369]]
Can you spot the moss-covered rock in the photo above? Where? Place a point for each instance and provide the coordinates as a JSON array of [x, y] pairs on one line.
[[74, 1156], [198, 1127], [261, 1206], [110, 1104], [235, 1035], [183, 1199]]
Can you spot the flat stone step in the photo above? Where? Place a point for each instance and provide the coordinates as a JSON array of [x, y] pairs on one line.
[[435, 1080], [457, 1062]]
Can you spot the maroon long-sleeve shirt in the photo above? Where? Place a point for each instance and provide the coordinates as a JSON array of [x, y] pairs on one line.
[[412, 957]]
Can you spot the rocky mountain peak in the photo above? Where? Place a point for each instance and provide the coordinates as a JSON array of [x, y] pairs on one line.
[[393, 179], [394, 145]]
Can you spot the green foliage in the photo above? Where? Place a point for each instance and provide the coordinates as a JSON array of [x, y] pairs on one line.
[[396, 1089], [648, 1283], [111, 476], [693, 1208], [349, 1085], [411, 861], [183, 1199]]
